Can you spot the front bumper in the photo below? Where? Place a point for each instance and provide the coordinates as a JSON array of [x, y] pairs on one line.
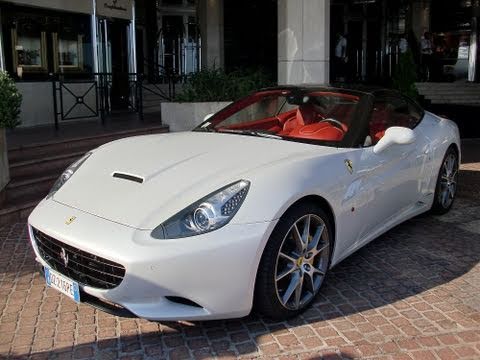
[[216, 270]]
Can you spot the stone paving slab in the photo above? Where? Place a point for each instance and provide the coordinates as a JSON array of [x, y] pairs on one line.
[[414, 293]]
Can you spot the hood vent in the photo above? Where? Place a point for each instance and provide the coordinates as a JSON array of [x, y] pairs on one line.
[[128, 177]]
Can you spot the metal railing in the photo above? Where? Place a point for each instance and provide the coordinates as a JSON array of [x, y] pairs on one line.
[[377, 65], [93, 95]]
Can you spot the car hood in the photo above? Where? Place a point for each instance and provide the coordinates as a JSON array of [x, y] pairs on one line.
[[175, 169]]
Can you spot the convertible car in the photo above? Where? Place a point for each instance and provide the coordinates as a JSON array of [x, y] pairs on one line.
[[249, 210]]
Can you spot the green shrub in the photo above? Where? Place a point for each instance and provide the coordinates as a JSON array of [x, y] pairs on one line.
[[10, 101], [405, 75], [216, 85]]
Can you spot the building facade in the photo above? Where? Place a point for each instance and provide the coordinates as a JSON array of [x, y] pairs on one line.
[[43, 38], [104, 46], [376, 33]]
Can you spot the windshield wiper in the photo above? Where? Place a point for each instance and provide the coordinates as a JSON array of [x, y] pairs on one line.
[[251, 133], [204, 129]]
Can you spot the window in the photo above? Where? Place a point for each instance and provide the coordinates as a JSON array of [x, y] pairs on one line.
[[43, 41], [28, 47], [392, 110], [68, 52], [301, 115]]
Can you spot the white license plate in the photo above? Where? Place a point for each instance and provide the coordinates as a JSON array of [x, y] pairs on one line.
[[62, 284]]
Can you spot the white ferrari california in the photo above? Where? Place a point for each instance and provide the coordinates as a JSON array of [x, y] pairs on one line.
[[249, 210]]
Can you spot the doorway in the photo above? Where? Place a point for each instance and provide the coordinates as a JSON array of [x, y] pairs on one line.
[[117, 31], [113, 59], [172, 34], [361, 23]]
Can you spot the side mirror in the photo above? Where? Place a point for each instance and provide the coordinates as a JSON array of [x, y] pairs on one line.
[[208, 117], [394, 135]]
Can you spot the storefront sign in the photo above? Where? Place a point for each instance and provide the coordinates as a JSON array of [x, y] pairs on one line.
[[76, 6], [364, 1], [115, 8]]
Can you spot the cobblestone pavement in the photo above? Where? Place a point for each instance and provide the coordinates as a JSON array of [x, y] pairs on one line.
[[413, 293]]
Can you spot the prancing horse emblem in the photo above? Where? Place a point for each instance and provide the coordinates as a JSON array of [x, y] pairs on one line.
[[64, 257], [349, 165], [70, 220]]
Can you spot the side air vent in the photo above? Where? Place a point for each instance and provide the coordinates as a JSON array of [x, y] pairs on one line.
[[128, 177], [183, 301]]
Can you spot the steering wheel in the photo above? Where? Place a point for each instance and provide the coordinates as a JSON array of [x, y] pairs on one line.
[[336, 123]]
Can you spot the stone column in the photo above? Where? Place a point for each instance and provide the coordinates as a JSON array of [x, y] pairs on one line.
[[2, 57], [151, 19], [132, 42], [4, 169], [473, 56], [210, 16], [303, 41], [420, 10]]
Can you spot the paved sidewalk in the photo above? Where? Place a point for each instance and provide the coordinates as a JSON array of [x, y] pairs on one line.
[[413, 293]]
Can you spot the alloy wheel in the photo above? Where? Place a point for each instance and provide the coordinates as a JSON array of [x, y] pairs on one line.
[[302, 262], [448, 180]]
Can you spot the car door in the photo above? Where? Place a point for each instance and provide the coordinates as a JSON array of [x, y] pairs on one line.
[[387, 182]]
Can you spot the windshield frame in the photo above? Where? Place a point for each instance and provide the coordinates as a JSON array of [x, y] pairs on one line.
[[350, 140]]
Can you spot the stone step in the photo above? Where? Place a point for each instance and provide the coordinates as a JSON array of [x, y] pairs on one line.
[[447, 84], [35, 168], [452, 88], [456, 102], [450, 92], [152, 100], [40, 167], [153, 112], [33, 188], [74, 145], [16, 213], [453, 97], [22, 197]]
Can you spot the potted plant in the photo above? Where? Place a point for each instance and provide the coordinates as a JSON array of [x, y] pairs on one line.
[[405, 75], [206, 92], [10, 102]]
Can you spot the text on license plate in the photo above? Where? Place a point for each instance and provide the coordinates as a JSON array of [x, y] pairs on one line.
[[62, 284]]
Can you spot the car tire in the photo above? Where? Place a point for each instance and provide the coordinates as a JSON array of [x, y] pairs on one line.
[[446, 187], [294, 263]]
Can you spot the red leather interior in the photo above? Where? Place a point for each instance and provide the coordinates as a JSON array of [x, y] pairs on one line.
[[318, 131], [303, 122], [239, 105], [378, 123], [262, 124], [335, 94]]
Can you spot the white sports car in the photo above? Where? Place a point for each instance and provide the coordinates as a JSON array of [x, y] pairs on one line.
[[250, 209]]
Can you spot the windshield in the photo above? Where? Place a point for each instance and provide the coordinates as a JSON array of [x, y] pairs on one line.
[[318, 116]]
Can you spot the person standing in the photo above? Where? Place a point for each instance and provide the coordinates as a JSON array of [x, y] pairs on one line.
[[341, 58], [403, 44], [427, 51]]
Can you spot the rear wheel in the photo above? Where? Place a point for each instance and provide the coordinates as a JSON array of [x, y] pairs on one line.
[[446, 188], [294, 263]]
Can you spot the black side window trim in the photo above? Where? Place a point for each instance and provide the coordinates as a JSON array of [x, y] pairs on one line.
[[417, 107]]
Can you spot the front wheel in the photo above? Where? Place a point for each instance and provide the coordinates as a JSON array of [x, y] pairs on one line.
[[294, 263], [446, 188]]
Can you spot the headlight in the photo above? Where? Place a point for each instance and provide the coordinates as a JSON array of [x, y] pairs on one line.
[[67, 174], [208, 214]]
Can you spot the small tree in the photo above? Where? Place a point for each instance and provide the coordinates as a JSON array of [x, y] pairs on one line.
[[405, 75], [216, 85], [10, 102]]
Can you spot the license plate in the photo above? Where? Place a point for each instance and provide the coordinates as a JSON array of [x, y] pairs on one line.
[[62, 284]]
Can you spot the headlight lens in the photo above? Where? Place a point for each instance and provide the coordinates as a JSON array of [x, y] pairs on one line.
[[67, 174], [208, 214]]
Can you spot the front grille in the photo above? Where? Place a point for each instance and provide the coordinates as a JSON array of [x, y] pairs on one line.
[[83, 267]]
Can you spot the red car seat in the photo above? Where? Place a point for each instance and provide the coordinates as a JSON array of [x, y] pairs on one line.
[[306, 114], [379, 122]]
